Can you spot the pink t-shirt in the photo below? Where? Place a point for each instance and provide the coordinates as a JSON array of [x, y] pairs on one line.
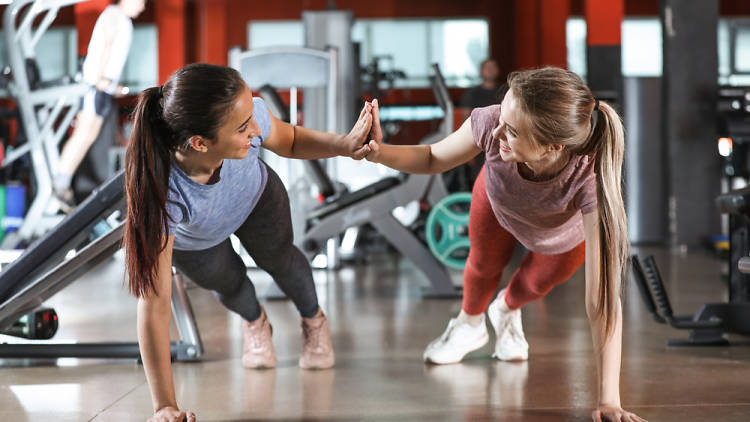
[[546, 217]]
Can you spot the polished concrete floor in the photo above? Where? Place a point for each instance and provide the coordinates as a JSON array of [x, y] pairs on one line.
[[380, 326]]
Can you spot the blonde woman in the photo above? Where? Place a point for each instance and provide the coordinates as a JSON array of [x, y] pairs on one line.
[[552, 182]]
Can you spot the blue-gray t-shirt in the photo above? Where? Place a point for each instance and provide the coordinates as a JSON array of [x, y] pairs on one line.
[[205, 215]]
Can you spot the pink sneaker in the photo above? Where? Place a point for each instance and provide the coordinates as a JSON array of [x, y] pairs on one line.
[[257, 350], [317, 352]]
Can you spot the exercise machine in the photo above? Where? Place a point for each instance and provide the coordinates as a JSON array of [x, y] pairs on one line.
[[374, 204], [46, 109], [269, 69], [48, 266], [713, 321]]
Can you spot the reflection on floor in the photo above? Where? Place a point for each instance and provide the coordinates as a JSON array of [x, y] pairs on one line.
[[380, 325]]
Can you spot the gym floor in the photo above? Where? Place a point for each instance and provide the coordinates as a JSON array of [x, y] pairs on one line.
[[380, 326]]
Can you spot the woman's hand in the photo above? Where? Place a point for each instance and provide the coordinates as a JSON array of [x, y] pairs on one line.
[[170, 414], [376, 134], [355, 142], [614, 414]]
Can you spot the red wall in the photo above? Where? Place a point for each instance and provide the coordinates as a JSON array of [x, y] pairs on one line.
[[651, 7], [605, 22], [170, 20], [538, 31]]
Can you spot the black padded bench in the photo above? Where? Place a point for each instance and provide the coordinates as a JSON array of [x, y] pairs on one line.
[[735, 202], [351, 198], [49, 250]]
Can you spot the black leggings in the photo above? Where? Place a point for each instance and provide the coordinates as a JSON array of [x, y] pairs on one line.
[[267, 237]]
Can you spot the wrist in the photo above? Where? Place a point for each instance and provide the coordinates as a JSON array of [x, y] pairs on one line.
[[339, 147], [605, 401], [162, 406]]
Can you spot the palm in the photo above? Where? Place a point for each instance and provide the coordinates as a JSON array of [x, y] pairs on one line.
[[376, 132]]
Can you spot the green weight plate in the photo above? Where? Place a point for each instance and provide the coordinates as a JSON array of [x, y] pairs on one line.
[[447, 229]]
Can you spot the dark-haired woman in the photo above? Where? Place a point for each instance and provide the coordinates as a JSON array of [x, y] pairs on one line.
[[193, 178]]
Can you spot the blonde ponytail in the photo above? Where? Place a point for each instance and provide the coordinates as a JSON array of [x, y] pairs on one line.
[[614, 246]]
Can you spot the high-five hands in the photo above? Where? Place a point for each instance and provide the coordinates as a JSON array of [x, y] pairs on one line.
[[376, 133], [355, 141], [366, 144]]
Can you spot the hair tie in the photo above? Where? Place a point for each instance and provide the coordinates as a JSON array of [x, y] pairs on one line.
[[161, 90], [595, 115]]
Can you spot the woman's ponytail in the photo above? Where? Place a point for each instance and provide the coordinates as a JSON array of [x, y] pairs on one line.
[[614, 247], [147, 163]]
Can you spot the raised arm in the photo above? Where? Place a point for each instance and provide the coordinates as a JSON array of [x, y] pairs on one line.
[[457, 148], [154, 314], [607, 351], [303, 143]]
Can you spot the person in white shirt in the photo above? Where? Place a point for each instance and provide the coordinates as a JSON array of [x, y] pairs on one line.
[[102, 68]]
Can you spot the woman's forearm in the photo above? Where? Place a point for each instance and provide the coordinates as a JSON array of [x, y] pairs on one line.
[[311, 144], [153, 341], [407, 158], [608, 358]]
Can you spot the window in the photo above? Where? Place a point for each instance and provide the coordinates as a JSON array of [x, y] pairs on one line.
[[264, 34], [55, 53], [575, 41], [642, 48], [56, 56], [409, 45], [142, 66], [734, 51], [742, 50]]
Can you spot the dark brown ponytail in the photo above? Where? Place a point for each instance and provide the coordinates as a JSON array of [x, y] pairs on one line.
[[147, 164]]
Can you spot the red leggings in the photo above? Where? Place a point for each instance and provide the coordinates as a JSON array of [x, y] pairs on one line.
[[491, 250]]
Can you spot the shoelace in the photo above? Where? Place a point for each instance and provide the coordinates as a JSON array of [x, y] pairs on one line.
[[447, 333], [511, 328]]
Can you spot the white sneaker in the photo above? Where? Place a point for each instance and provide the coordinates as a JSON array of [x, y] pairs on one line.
[[459, 339], [510, 342]]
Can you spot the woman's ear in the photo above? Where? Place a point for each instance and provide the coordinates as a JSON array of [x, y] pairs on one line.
[[198, 143], [555, 147]]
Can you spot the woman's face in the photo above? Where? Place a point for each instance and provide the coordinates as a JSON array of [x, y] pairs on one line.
[[510, 134], [233, 139]]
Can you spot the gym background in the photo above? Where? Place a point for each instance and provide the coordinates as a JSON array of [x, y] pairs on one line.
[[679, 73]]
